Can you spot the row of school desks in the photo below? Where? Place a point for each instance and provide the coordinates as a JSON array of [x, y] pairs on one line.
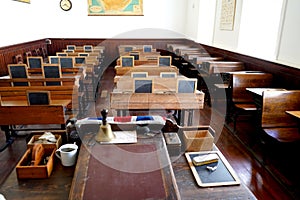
[[161, 176], [227, 84], [163, 95], [67, 100]]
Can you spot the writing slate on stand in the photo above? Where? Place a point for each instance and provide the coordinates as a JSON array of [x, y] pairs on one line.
[[147, 48], [139, 74], [127, 61], [52, 71], [79, 60], [66, 62], [168, 74], [18, 71], [143, 86], [136, 55], [54, 59], [186, 85], [38, 97], [71, 47], [88, 48], [34, 62], [164, 61], [128, 49]]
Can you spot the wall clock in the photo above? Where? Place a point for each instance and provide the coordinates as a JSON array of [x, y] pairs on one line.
[[65, 5]]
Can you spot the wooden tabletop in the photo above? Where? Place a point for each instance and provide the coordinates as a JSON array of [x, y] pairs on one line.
[[259, 91], [295, 113], [83, 186], [173, 101], [57, 102]]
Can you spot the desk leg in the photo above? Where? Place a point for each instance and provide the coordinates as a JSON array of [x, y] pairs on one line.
[[9, 137], [190, 117], [181, 117]]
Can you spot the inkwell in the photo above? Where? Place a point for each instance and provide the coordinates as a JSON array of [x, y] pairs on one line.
[[105, 133]]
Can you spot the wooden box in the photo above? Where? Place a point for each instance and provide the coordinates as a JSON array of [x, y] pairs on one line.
[[47, 145], [198, 140], [25, 171]]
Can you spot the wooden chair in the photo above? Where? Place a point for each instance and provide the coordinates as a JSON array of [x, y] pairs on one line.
[[242, 102]]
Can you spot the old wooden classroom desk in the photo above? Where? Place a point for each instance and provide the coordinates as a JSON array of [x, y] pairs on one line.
[[179, 182]]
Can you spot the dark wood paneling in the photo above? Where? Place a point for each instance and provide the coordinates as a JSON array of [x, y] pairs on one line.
[[8, 53], [284, 76]]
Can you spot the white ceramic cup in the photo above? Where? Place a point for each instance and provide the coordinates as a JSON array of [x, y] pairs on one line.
[[67, 153]]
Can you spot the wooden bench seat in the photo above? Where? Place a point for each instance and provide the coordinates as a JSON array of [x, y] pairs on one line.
[[241, 101], [279, 127], [275, 122], [57, 92]]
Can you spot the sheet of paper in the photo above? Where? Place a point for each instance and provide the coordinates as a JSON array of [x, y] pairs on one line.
[[123, 137]]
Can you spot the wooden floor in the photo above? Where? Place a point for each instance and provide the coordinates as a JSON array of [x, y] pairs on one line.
[[273, 181]]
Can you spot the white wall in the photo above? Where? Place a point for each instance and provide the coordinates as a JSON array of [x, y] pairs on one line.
[[223, 38], [289, 46], [22, 22], [260, 23]]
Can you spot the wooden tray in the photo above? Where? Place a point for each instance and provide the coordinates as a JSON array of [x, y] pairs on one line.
[[223, 175]]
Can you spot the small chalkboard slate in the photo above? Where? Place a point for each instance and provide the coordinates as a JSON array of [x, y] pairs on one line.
[[147, 48], [168, 74], [79, 59], [128, 49], [83, 54], [164, 61], [35, 62], [139, 74], [143, 85], [135, 54], [71, 47], [223, 175], [127, 61], [52, 71], [66, 62], [88, 48], [18, 71], [38, 98], [54, 59], [61, 54], [186, 85]]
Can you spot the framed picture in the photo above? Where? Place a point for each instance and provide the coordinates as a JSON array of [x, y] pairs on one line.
[[115, 7]]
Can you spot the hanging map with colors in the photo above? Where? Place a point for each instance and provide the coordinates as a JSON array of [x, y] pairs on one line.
[[115, 7]]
